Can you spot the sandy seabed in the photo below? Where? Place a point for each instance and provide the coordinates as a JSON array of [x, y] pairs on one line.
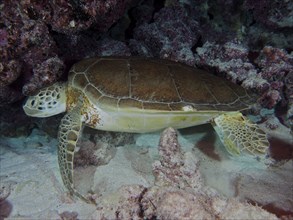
[[32, 185]]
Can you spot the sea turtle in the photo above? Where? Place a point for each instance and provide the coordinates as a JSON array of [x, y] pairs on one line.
[[132, 94]]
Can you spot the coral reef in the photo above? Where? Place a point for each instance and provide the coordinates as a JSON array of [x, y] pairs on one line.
[[272, 14], [175, 168], [110, 47], [275, 65], [125, 204], [74, 16], [44, 74], [166, 203], [27, 50], [178, 193], [99, 147], [289, 95], [5, 189], [5, 206], [269, 24], [171, 36], [230, 58], [10, 71], [68, 215], [91, 153], [42, 41], [267, 73]]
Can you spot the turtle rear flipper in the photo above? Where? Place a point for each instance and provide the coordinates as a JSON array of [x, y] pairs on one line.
[[240, 135], [69, 132]]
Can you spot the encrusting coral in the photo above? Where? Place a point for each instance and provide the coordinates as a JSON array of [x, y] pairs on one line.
[[170, 36], [267, 72], [178, 192], [29, 52], [5, 206]]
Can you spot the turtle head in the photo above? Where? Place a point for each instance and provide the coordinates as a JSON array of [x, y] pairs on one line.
[[47, 102]]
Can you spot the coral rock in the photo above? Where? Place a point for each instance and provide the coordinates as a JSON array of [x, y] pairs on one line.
[[289, 95], [273, 14], [276, 66], [110, 47], [9, 72], [230, 58], [268, 77], [175, 168], [94, 154], [171, 35], [27, 49], [68, 215], [178, 193], [173, 203], [44, 74], [5, 189], [73, 16], [124, 204]]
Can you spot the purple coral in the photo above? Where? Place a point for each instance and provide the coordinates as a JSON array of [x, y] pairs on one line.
[[27, 45], [170, 36], [3, 37], [44, 74], [230, 58], [175, 168], [10, 71], [273, 14], [275, 65], [266, 73], [74, 16], [27, 49], [289, 96], [110, 47]]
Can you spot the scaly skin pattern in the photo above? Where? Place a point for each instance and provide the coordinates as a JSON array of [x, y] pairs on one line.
[[69, 132], [89, 113]]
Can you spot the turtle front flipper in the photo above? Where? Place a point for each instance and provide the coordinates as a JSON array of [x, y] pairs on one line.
[[240, 135], [69, 132]]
